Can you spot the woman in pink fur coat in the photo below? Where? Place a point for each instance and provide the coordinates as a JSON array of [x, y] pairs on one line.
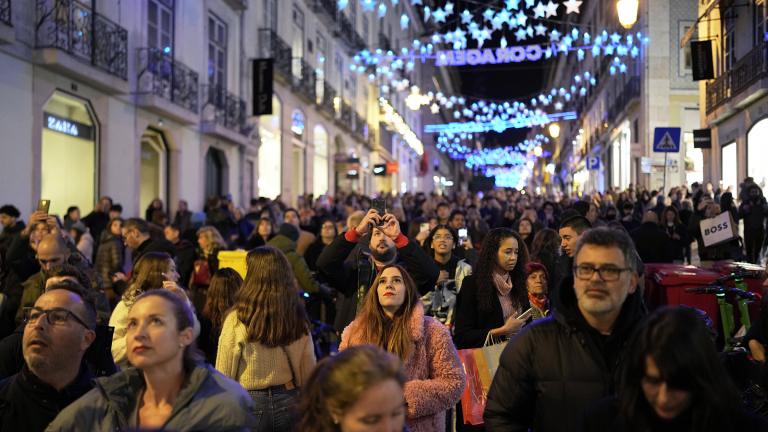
[[392, 317]]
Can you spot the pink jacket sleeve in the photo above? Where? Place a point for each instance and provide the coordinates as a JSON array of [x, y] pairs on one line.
[[441, 391]]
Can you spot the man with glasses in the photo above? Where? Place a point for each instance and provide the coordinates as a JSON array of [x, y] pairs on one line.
[[58, 330], [558, 366]]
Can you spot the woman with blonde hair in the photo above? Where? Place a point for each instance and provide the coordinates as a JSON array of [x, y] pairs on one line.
[[360, 389], [392, 318], [265, 341]]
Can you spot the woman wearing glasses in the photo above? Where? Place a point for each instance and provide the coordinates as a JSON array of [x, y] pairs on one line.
[[170, 387]]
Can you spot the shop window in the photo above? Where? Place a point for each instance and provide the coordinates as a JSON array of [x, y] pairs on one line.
[[729, 165], [270, 153], [320, 163], [215, 173], [68, 169], [757, 152], [153, 163]]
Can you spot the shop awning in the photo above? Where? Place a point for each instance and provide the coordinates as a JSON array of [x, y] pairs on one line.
[[687, 36]]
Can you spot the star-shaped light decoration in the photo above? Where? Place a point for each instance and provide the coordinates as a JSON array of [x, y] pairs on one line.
[[368, 5], [554, 35], [342, 4], [427, 13], [382, 10], [439, 15], [512, 4], [616, 38], [552, 9], [572, 6], [503, 42], [404, 20], [529, 31], [541, 29], [416, 2], [539, 10], [466, 17], [503, 16], [449, 8], [489, 14], [520, 34], [521, 18], [529, 3], [497, 23]]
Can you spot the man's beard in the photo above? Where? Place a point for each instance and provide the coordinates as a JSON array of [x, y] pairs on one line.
[[384, 257]]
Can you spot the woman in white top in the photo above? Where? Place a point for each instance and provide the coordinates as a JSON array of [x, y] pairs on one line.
[[265, 342]]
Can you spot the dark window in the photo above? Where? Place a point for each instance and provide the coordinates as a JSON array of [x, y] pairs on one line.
[[160, 25], [217, 52]]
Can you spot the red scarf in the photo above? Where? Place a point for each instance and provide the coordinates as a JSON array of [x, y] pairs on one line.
[[539, 303]]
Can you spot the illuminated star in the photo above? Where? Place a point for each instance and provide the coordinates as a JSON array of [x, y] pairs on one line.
[[539, 11], [416, 2], [520, 34], [439, 15], [521, 18], [449, 8], [529, 3], [488, 15], [368, 5], [342, 4], [466, 17], [541, 29], [552, 9], [572, 6], [482, 36], [616, 38], [503, 16], [513, 4], [529, 30], [554, 35], [404, 20], [497, 22]]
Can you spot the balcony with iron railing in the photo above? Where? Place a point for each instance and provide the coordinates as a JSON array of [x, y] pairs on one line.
[[7, 33], [629, 92], [303, 79], [162, 79], [345, 116], [5, 12], [69, 34], [223, 113], [360, 127], [733, 85], [327, 101], [274, 46]]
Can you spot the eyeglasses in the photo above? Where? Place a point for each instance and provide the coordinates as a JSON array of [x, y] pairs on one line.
[[55, 316], [608, 274]]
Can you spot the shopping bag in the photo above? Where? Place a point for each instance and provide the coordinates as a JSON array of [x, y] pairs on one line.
[[718, 229], [480, 366]]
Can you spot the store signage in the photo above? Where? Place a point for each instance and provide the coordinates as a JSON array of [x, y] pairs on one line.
[[718, 229], [66, 126], [392, 167], [702, 138], [701, 57], [473, 57], [262, 86], [380, 169]]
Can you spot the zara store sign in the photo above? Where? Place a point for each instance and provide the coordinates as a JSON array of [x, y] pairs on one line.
[[68, 127]]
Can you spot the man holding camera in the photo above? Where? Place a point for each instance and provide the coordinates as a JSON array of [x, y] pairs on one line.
[[355, 257]]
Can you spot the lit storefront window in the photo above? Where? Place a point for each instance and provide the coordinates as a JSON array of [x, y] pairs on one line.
[[757, 153], [270, 153], [320, 168], [729, 166]]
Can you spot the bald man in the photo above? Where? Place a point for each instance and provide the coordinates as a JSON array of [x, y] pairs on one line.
[[52, 253]]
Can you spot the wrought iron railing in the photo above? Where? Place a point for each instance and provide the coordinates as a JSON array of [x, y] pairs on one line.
[[5, 12], [229, 109], [73, 27], [345, 116], [744, 72], [348, 34], [304, 78], [630, 91], [162, 75], [360, 126], [327, 101], [275, 47]]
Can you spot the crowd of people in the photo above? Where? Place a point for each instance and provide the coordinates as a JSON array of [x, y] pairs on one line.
[[351, 311]]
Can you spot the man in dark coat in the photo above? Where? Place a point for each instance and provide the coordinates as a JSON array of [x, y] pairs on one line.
[[12, 226], [185, 252], [97, 220], [136, 236], [550, 373], [354, 258], [54, 374], [753, 211], [651, 241]]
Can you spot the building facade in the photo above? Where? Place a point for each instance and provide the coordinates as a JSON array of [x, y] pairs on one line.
[[617, 117], [152, 99], [735, 101]]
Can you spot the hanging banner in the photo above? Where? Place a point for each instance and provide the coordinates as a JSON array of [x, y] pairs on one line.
[[262, 86], [701, 56]]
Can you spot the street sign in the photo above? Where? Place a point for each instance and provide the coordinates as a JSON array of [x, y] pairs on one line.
[[593, 163], [666, 140]]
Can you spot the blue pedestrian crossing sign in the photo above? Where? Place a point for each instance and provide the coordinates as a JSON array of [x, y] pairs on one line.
[[593, 163], [666, 140]]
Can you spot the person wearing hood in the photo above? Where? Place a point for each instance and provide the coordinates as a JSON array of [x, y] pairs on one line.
[[753, 211], [558, 366], [285, 241]]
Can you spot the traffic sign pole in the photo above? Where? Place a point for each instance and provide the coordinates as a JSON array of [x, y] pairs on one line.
[[664, 187]]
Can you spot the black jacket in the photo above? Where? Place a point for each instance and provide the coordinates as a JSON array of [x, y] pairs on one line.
[[185, 260], [557, 367], [154, 245], [472, 325], [652, 243], [352, 274], [28, 404]]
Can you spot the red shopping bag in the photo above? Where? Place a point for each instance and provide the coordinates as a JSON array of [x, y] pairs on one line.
[[473, 399]]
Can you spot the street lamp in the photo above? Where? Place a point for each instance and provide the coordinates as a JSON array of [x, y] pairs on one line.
[[554, 130], [627, 10]]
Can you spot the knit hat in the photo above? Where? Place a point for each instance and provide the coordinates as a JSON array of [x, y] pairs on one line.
[[289, 231]]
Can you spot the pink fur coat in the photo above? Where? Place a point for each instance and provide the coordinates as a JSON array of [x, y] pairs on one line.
[[435, 378]]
